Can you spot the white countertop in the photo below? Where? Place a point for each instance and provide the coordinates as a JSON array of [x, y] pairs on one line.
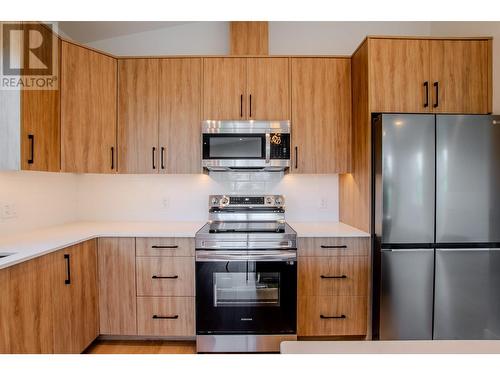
[[326, 229], [29, 245], [392, 347]]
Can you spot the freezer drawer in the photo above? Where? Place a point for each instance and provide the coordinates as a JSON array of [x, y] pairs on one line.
[[467, 299], [407, 278], [468, 179]]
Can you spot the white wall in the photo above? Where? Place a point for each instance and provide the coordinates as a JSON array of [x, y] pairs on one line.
[[40, 199], [476, 29]]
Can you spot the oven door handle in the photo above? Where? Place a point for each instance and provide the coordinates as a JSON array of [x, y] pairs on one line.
[[263, 256]]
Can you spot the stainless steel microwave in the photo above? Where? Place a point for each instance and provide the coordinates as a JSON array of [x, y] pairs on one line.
[[246, 145]]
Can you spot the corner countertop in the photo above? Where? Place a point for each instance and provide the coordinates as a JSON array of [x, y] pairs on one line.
[[26, 246], [326, 229]]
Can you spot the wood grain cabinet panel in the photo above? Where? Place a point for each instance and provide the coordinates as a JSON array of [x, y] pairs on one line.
[[398, 70], [180, 115], [224, 88], [166, 316], [75, 299], [333, 276], [117, 286], [460, 76], [321, 115], [88, 110], [168, 276], [333, 246], [165, 246], [268, 89], [138, 115], [332, 316]]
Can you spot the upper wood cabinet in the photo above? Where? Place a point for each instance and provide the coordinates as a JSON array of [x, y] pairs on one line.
[[321, 115], [88, 110], [246, 88], [180, 115], [430, 75], [138, 115]]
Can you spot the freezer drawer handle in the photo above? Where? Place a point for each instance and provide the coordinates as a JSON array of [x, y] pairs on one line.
[[333, 277], [165, 317], [333, 317], [164, 246], [165, 277], [334, 246]]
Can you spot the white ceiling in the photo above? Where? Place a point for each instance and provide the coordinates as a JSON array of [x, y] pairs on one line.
[[90, 31]]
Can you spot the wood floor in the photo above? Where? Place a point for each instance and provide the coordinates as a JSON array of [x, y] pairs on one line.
[[141, 347]]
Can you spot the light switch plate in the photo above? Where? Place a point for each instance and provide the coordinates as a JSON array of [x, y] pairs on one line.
[[9, 211]]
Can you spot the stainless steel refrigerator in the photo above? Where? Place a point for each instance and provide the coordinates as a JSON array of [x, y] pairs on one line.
[[436, 225]]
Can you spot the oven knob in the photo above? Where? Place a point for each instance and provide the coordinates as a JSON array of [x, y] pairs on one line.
[[224, 201], [270, 201], [215, 201], [278, 201]]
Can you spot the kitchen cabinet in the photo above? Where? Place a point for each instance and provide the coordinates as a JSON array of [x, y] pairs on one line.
[[321, 115], [117, 286], [75, 298], [138, 115], [180, 115], [246, 88], [88, 110], [40, 125], [333, 281]]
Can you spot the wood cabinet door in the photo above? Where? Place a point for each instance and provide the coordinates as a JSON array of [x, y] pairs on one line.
[[321, 115], [75, 300], [117, 291], [268, 89], [26, 307], [224, 88], [399, 70], [88, 110], [138, 116], [180, 115], [460, 75], [40, 125]]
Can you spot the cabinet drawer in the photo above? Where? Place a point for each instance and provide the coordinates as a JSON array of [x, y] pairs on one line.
[[333, 246], [172, 276], [165, 316], [332, 316], [333, 276], [164, 247]]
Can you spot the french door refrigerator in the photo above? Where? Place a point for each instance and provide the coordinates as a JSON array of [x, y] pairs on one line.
[[436, 225]]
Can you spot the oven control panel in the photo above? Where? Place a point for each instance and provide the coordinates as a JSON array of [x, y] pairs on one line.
[[226, 201]]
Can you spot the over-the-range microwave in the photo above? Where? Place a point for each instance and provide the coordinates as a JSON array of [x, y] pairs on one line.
[[246, 145]]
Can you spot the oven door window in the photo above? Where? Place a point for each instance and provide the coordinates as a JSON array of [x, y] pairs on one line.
[[246, 289], [231, 146]]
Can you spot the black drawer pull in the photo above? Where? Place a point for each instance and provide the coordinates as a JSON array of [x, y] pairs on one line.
[[333, 277], [165, 277], [436, 86], [162, 158], [426, 86], [68, 270], [165, 317], [332, 317], [334, 246], [31, 138], [164, 246], [153, 157], [112, 157]]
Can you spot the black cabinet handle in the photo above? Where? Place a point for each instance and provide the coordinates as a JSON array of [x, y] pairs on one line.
[[153, 157], [334, 246], [436, 87], [162, 157], [250, 114], [426, 86], [333, 277], [296, 157], [164, 246], [165, 277], [165, 317], [68, 270], [112, 157], [333, 317], [31, 138], [241, 105]]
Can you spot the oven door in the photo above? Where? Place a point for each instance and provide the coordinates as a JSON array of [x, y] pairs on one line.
[[240, 292]]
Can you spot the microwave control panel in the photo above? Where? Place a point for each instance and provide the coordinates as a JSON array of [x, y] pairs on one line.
[[280, 146]]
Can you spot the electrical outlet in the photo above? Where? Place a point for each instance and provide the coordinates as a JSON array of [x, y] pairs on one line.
[[165, 203], [323, 203], [9, 211]]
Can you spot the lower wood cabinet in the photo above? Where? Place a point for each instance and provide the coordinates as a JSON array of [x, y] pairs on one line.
[[117, 286]]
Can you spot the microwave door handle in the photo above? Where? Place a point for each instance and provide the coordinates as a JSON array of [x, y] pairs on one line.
[[268, 148]]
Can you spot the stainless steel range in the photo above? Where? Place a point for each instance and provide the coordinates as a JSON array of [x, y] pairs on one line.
[[246, 276]]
